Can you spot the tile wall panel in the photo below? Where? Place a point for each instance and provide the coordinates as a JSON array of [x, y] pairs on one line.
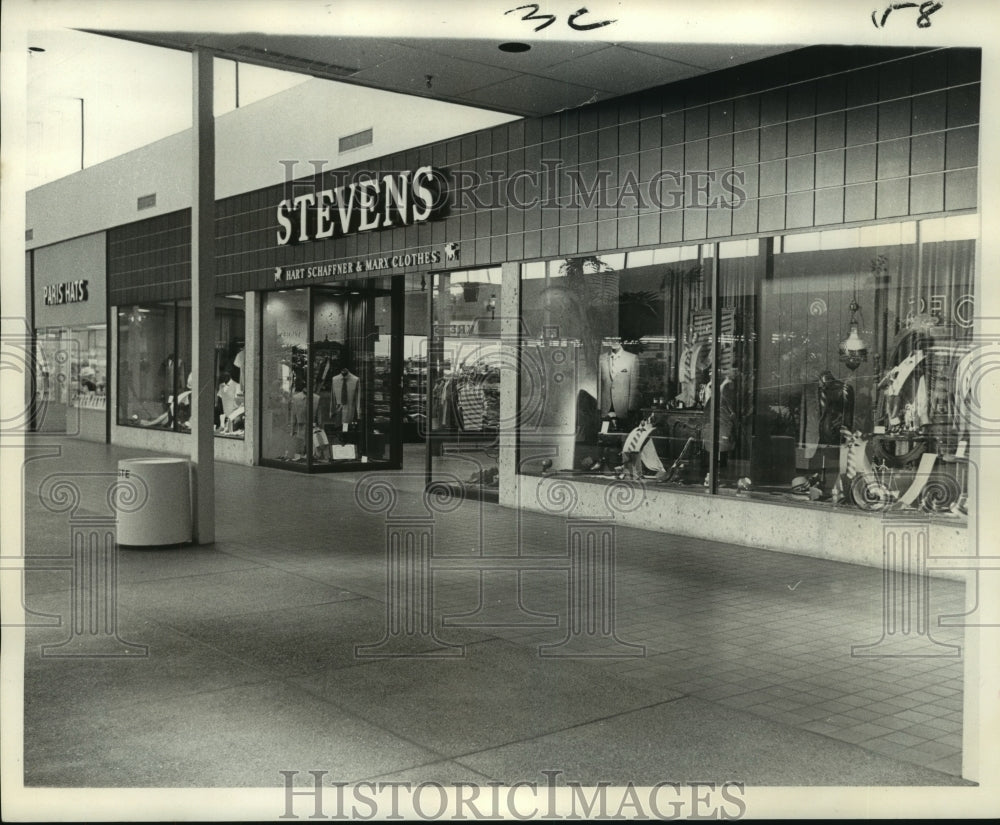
[[856, 134]]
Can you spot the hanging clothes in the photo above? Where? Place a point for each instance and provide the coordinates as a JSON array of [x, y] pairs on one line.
[[472, 404]]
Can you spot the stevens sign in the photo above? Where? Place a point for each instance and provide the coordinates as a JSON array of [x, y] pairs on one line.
[[392, 200]]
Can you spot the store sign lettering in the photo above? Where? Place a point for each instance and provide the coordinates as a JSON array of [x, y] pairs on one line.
[[393, 200], [360, 266], [69, 292]]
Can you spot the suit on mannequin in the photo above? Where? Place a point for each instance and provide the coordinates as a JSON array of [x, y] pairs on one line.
[[619, 371], [344, 397]]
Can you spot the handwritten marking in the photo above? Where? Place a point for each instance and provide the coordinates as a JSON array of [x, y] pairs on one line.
[[926, 9], [549, 19]]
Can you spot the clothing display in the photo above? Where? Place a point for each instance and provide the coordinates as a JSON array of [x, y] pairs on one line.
[[619, 378], [230, 394], [472, 405], [468, 400], [344, 397]]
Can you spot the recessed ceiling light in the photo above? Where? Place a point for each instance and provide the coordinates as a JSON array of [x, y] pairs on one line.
[[514, 47]]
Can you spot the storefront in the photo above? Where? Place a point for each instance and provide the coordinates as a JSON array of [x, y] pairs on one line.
[[71, 339], [751, 288]]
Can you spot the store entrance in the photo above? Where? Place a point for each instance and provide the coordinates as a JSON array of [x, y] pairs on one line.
[[331, 377]]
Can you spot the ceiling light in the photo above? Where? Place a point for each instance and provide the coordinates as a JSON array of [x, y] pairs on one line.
[[514, 47]]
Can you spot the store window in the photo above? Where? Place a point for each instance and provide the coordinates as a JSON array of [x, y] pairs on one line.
[[463, 374], [71, 372], [616, 366], [229, 417], [329, 377], [833, 372], [284, 356], [154, 366], [861, 365]]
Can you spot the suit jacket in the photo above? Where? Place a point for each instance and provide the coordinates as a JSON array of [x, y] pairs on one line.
[[347, 411], [620, 385]]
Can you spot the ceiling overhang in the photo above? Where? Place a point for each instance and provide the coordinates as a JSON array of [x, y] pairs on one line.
[[548, 77]]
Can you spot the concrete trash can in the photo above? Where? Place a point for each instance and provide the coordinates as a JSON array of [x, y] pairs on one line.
[[164, 517]]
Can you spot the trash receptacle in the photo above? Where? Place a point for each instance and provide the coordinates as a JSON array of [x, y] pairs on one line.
[[164, 517]]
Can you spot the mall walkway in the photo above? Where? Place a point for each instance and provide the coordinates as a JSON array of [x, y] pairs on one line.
[[745, 672]]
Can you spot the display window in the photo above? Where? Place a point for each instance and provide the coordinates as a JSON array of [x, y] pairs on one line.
[[154, 363], [824, 368], [330, 376], [229, 417], [71, 365], [463, 367], [154, 366]]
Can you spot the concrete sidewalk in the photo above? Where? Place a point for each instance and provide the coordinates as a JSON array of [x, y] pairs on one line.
[[732, 663]]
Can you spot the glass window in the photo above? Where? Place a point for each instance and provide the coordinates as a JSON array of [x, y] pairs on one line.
[[833, 373], [154, 366], [616, 367], [285, 357], [71, 371], [861, 368], [154, 363], [464, 374], [230, 342]]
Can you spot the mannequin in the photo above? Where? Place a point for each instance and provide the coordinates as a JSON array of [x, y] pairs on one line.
[[238, 361], [619, 373], [694, 360], [344, 398], [230, 397], [229, 392]]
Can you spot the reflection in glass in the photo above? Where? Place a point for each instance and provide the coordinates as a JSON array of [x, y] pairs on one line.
[[284, 359]]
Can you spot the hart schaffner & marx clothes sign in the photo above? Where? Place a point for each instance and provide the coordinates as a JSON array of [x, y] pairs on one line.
[[392, 200]]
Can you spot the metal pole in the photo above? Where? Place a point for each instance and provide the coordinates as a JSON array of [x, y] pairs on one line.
[[81, 132], [203, 299]]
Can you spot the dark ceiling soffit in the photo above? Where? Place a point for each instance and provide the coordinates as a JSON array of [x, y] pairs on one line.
[[272, 60]]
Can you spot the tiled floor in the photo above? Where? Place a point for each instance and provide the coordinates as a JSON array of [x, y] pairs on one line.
[[728, 661]]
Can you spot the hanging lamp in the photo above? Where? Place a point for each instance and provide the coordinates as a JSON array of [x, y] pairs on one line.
[[853, 349]]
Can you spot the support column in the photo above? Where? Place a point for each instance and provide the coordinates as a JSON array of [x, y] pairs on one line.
[[510, 359], [203, 299]]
